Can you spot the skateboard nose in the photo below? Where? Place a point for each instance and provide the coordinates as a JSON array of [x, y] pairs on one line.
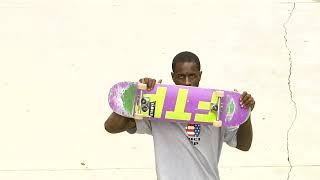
[[113, 95]]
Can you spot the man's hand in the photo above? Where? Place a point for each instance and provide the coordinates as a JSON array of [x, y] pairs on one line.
[[244, 133], [246, 100], [150, 82]]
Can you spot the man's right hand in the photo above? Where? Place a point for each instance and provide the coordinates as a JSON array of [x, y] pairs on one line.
[[150, 82], [116, 123]]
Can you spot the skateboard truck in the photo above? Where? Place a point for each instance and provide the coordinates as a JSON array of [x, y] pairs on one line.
[[216, 108], [145, 101], [140, 87]]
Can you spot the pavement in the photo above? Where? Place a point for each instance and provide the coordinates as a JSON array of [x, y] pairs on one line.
[[59, 58]]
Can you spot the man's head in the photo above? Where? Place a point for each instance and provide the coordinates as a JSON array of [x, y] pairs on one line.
[[186, 69]]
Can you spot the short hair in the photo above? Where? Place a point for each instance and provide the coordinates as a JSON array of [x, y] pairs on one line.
[[186, 56]]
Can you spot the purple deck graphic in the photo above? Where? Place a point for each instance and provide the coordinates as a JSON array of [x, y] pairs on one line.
[[232, 114]]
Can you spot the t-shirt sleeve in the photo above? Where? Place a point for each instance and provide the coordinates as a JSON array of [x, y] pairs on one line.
[[142, 127], [230, 135]]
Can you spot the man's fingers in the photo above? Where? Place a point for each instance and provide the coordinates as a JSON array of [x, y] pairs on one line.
[[243, 95], [247, 103], [152, 83], [244, 99], [149, 82], [253, 104], [146, 81]]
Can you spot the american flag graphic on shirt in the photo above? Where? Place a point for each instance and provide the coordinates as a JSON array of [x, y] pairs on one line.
[[193, 133]]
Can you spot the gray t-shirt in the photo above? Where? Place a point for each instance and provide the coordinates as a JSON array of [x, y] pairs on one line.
[[186, 151]]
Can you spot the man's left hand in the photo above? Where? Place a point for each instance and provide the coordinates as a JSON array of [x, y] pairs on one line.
[[246, 100]]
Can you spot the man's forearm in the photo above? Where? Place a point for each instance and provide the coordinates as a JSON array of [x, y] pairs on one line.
[[116, 123], [244, 136]]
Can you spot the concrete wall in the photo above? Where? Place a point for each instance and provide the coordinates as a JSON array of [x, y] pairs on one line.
[[59, 58]]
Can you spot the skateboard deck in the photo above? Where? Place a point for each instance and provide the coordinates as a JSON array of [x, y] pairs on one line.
[[179, 104]]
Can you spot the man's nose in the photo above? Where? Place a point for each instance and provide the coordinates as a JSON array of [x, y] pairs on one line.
[[188, 82]]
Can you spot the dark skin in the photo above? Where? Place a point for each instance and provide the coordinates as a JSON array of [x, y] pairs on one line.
[[186, 74]]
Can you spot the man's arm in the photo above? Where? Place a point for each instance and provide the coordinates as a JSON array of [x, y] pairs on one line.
[[244, 133], [116, 123], [244, 136]]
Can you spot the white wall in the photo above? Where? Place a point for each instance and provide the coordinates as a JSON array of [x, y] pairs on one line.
[[59, 58]]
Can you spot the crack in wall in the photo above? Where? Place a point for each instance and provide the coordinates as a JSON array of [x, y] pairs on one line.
[[289, 86]]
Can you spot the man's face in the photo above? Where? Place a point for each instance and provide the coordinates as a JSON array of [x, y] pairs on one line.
[[186, 74]]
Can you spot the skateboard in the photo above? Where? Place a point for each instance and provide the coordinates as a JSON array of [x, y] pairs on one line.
[[178, 104]]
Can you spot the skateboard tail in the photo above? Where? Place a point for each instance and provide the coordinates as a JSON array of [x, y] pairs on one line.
[[121, 98], [233, 114]]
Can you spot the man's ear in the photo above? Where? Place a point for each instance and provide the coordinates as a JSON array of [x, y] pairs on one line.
[[172, 74], [200, 74]]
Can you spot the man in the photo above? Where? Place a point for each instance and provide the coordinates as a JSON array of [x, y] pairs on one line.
[[186, 151]]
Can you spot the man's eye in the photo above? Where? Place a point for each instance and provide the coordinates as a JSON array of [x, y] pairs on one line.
[[192, 76], [180, 77]]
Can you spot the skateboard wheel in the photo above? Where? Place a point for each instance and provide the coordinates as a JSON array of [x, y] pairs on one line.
[[214, 107], [143, 101], [142, 86], [217, 123], [144, 108], [138, 116], [220, 93]]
